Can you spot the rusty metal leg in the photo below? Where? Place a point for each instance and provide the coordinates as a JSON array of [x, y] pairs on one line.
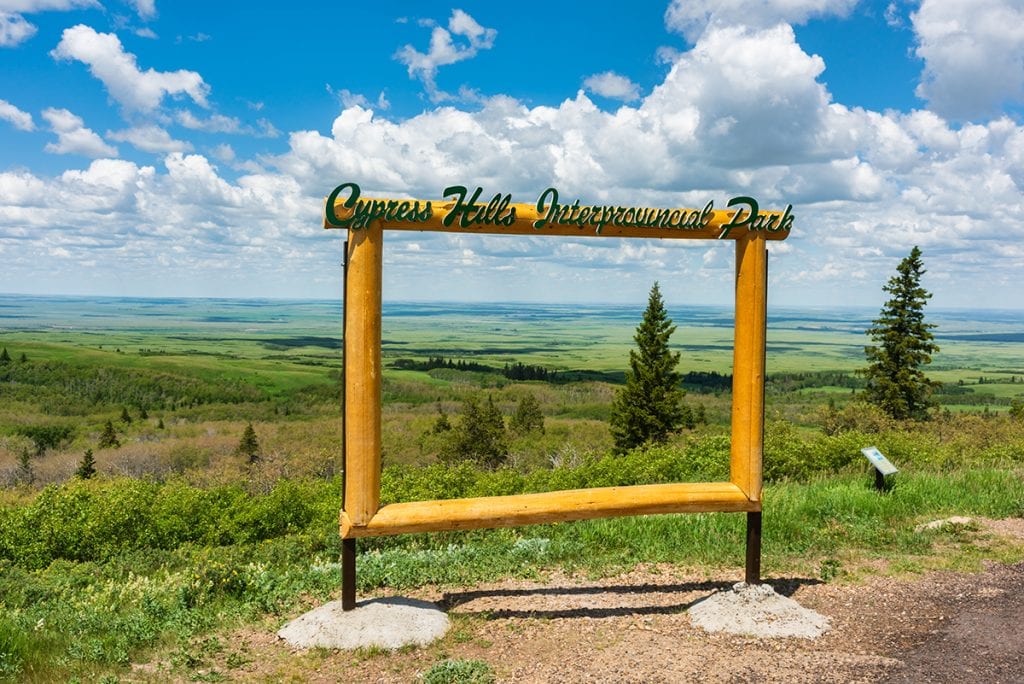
[[348, 574], [753, 570]]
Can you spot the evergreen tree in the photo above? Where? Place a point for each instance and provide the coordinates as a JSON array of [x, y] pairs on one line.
[[249, 446], [108, 438], [442, 424], [648, 408], [480, 435], [25, 471], [1017, 409], [143, 413], [87, 466], [895, 381], [160, 424], [22, 358], [527, 416], [125, 418], [5, 358]]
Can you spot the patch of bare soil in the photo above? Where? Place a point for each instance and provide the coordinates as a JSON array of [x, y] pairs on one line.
[[939, 627]]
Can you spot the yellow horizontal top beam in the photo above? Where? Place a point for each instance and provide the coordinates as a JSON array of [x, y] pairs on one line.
[[467, 213], [548, 507]]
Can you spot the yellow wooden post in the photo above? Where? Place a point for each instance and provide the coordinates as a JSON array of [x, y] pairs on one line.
[[748, 365], [363, 373]]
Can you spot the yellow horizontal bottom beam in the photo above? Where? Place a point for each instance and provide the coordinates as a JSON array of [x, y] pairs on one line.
[[548, 507]]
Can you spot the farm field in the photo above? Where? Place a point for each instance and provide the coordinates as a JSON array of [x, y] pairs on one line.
[[182, 536]]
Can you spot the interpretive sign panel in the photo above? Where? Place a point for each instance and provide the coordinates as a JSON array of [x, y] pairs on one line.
[[879, 461]]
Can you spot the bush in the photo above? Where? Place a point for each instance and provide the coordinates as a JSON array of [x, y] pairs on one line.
[[459, 672]]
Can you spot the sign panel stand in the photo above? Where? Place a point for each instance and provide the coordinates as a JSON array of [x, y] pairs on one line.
[[881, 464]]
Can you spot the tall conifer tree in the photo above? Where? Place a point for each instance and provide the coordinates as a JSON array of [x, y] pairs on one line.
[[904, 343], [648, 408]]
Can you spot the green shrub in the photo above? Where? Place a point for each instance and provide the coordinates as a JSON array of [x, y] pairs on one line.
[[459, 672], [13, 645]]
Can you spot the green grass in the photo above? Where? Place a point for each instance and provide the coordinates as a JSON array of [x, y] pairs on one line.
[[169, 563]]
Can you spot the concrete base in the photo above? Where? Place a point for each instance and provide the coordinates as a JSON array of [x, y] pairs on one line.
[[756, 610], [388, 623]]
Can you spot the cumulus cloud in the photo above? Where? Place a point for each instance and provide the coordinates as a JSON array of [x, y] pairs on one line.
[[443, 50], [742, 112], [133, 88], [19, 119], [974, 55], [150, 139], [612, 85], [692, 17], [73, 137], [14, 29]]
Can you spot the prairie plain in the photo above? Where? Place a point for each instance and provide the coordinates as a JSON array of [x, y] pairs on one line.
[[181, 536]]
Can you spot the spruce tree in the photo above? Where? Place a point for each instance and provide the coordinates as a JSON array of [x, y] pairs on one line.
[[480, 435], [25, 471], [904, 343], [249, 446], [527, 416], [108, 438], [5, 358], [125, 417], [87, 466], [441, 424], [1017, 409], [648, 408]]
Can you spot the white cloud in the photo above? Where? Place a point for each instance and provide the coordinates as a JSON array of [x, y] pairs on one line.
[[14, 29], [892, 15], [146, 9], [224, 153], [444, 51], [146, 32], [218, 123], [743, 112], [18, 118], [215, 123], [31, 6], [349, 99], [692, 17], [974, 55], [612, 85], [149, 139], [73, 137], [118, 70]]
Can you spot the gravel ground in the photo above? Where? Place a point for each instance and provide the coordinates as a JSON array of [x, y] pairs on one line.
[[936, 627]]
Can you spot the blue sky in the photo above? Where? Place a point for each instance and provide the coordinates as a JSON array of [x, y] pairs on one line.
[[183, 149]]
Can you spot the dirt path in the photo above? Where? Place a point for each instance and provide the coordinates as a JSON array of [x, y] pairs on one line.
[[940, 627]]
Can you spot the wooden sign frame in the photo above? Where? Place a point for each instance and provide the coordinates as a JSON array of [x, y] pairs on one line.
[[362, 514]]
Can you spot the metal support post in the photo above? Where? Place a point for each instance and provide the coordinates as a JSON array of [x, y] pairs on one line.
[[348, 574], [753, 568]]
